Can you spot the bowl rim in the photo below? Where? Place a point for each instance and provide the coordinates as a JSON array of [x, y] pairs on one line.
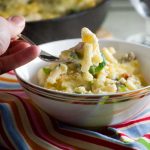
[[73, 15], [86, 95]]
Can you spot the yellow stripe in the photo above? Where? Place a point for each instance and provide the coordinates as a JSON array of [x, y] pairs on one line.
[[8, 80]]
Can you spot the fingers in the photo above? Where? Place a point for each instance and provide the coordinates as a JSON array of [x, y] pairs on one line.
[[17, 46], [16, 25], [9, 29], [5, 35], [18, 59]]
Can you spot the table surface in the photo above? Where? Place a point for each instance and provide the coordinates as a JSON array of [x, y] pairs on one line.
[[122, 20]]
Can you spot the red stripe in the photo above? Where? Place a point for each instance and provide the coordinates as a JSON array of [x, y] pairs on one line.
[[147, 136], [89, 139], [11, 90], [4, 136], [11, 72], [39, 127], [122, 134], [132, 122]]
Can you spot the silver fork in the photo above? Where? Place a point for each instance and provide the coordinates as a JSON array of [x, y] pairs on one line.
[[43, 55]]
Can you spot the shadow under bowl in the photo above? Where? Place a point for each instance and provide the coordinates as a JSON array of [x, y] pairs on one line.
[[87, 110]]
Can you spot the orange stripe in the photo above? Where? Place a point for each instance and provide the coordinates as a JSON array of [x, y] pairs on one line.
[[32, 144], [8, 80]]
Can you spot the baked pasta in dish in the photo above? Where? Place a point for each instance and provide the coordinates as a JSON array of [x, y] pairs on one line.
[[43, 9], [92, 70]]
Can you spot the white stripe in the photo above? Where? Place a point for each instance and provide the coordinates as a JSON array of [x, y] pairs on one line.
[[126, 138], [9, 76]]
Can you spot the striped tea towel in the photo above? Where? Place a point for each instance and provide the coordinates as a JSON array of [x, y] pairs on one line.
[[23, 126]]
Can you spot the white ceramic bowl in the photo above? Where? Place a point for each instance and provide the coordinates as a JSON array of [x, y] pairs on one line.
[[87, 110]]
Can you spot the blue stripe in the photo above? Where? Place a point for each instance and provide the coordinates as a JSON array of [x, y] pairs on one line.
[[10, 127], [9, 86]]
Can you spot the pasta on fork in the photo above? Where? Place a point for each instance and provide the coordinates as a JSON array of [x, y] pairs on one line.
[[94, 70]]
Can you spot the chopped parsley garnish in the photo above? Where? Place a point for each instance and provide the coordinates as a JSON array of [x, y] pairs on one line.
[[95, 69], [121, 88], [47, 71], [73, 55]]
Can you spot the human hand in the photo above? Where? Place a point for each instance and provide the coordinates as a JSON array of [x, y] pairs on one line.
[[14, 53]]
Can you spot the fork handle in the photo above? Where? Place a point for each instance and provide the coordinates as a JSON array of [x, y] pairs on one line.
[[43, 55]]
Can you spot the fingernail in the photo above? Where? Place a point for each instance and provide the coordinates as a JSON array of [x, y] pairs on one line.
[[18, 20]]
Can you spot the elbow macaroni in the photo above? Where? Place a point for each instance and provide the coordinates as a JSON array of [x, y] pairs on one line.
[[89, 37], [56, 73], [94, 70], [86, 62]]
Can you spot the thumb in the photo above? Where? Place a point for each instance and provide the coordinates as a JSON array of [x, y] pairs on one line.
[[16, 25], [9, 29]]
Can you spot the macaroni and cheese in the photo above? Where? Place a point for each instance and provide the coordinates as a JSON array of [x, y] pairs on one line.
[[92, 70], [43, 9]]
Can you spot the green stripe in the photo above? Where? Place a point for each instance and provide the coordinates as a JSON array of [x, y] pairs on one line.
[[144, 142]]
